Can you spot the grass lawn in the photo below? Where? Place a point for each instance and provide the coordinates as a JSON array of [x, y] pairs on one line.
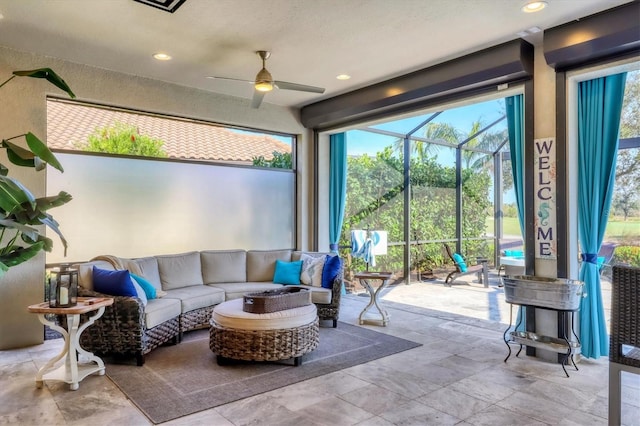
[[617, 230]]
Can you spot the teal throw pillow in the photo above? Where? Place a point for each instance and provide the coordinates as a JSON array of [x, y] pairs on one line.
[[114, 283], [287, 273], [460, 261], [330, 270], [149, 289]]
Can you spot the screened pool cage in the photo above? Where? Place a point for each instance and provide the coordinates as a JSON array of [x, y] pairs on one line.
[[422, 209]]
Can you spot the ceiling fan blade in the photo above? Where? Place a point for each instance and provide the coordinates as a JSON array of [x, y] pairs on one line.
[[299, 87], [257, 98], [213, 77]]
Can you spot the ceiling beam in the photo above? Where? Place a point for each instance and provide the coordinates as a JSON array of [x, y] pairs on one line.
[[505, 63], [614, 32]]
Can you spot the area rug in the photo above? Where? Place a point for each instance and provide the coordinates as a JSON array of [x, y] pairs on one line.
[[183, 379]]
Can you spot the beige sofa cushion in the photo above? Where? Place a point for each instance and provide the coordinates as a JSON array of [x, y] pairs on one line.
[[158, 311], [196, 296], [261, 263], [319, 294], [85, 272], [236, 290], [147, 267], [224, 266], [180, 270], [230, 314]]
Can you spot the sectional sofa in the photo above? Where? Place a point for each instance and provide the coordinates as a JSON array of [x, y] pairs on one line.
[[187, 287]]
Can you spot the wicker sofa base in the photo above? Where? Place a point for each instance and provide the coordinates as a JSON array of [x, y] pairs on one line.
[[263, 345], [198, 318]]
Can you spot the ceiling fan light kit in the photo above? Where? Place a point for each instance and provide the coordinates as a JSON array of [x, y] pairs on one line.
[[264, 82]]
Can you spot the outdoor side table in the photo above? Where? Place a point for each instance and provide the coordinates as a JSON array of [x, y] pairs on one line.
[[374, 294], [71, 371]]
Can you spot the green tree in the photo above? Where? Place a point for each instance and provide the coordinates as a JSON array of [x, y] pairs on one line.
[[626, 196], [124, 139], [280, 160]]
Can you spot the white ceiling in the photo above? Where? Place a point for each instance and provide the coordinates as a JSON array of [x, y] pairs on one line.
[[311, 41]]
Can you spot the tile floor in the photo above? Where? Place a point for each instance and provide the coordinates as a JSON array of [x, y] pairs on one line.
[[457, 377]]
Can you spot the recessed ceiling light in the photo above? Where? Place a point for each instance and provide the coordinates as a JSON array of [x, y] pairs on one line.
[[162, 56], [534, 6], [343, 77]]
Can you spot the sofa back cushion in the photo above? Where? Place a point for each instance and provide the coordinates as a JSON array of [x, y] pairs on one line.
[[224, 266], [261, 264], [85, 272], [147, 267], [180, 270]]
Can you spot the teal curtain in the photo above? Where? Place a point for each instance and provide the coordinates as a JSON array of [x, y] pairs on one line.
[[337, 187], [515, 127], [599, 108], [515, 122]]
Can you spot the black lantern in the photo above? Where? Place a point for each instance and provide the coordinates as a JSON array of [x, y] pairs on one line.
[[63, 287]]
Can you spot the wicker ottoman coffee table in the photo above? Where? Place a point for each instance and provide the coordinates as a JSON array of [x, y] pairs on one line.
[[239, 335]]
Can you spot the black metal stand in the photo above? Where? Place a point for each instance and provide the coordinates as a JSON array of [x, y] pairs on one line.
[[561, 344]]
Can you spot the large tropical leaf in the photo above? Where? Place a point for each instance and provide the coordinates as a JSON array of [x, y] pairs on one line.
[[18, 155], [53, 225], [37, 156], [13, 195], [46, 203], [40, 150], [29, 232], [21, 254], [49, 75]]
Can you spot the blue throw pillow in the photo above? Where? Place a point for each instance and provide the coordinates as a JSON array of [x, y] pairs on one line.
[[114, 283], [460, 261], [149, 289], [330, 270], [287, 273]]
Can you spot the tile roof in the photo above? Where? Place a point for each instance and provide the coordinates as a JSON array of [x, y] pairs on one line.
[[70, 124]]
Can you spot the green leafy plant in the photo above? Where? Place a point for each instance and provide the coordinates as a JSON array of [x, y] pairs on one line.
[[20, 210], [124, 139], [280, 160]]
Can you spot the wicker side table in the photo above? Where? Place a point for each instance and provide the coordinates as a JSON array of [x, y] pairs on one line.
[[239, 335]]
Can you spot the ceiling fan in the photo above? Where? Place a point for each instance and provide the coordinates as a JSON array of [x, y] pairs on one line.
[[264, 82]]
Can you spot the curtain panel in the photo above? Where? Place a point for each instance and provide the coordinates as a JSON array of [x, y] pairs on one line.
[[337, 187], [599, 108]]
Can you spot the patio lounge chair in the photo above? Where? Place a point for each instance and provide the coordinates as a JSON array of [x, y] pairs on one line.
[[462, 269]]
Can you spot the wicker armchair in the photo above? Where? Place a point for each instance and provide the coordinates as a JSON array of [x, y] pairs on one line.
[[121, 331], [624, 344]]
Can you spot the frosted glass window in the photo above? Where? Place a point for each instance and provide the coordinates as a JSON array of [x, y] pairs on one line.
[[138, 207]]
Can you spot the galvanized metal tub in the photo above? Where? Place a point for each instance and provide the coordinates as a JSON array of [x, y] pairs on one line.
[[552, 293]]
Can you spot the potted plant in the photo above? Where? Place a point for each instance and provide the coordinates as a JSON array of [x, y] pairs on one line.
[[20, 210]]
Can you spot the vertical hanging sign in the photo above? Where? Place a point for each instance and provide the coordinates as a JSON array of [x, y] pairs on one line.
[[545, 198]]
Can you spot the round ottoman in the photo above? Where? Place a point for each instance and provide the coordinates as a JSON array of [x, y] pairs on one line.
[[236, 334]]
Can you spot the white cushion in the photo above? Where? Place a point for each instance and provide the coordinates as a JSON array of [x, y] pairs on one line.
[[230, 315], [180, 270], [312, 270]]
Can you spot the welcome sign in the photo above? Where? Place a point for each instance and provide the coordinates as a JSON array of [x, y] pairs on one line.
[[545, 198]]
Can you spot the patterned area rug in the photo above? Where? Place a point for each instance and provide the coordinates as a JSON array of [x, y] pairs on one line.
[[183, 379]]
